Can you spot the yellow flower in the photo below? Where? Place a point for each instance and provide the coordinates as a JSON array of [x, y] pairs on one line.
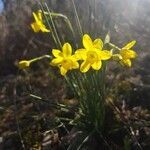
[[64, 59], [92, 54], [24, 64], [38, 25], [126, 54]]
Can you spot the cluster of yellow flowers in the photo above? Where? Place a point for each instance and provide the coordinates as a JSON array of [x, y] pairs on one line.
[[91, 56]]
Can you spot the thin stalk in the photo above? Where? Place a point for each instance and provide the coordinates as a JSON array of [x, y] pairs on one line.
[[16, 117], [79, 82], [54, 38], [77, 19], [85, 140], [63, 125], [72, 86], [65, 19], [57, 105], [75, 84], [79, 87], [114, 46], [39, 58], [53, 25], [82, 88], [18, 127]]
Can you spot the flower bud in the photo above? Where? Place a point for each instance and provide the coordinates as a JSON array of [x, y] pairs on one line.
[[24, 64]]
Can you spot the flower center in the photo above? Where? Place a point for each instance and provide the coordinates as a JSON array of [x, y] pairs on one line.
[[67, 63], [125, 54], [92, 56]]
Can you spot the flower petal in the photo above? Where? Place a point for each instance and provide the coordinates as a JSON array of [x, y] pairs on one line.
[[97, 65], [87, 41], [67, 49], [35, 27], [56, 53], [75, 65], [126, 62], [35, 17], [129, 45], [117, 57], [85, 66], [127, 54], [43, 28], [105, 54], [63, 71], [98, 43], [39, 15], [56, 61], [80, 54]]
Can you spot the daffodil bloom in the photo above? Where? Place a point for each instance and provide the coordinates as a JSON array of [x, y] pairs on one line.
[[38, 25], [92, 54], [24, 64], [64, 59], [126, 54]]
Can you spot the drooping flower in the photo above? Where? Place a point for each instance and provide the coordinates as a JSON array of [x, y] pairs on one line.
[[92, 54], [38, 25], [24, 64], [126, 54], [64, 59]]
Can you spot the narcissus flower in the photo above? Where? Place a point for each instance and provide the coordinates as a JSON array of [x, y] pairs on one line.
[[64, 59], [24, 64], [92, 54], [38, 25], [126, 54]]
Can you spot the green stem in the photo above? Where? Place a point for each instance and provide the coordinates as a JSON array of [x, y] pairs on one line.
[[114, 46], [53, 36], [65, 19], [39, 58], [77, 18], [53, 25]]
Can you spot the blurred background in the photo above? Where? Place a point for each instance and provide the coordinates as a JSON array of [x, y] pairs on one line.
[[24, 120]]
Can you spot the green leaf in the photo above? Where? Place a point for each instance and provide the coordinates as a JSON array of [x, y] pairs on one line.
[[107, 38]]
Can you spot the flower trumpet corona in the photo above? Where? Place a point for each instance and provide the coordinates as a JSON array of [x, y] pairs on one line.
[[92, 54], [38, 25], [64, 59]]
